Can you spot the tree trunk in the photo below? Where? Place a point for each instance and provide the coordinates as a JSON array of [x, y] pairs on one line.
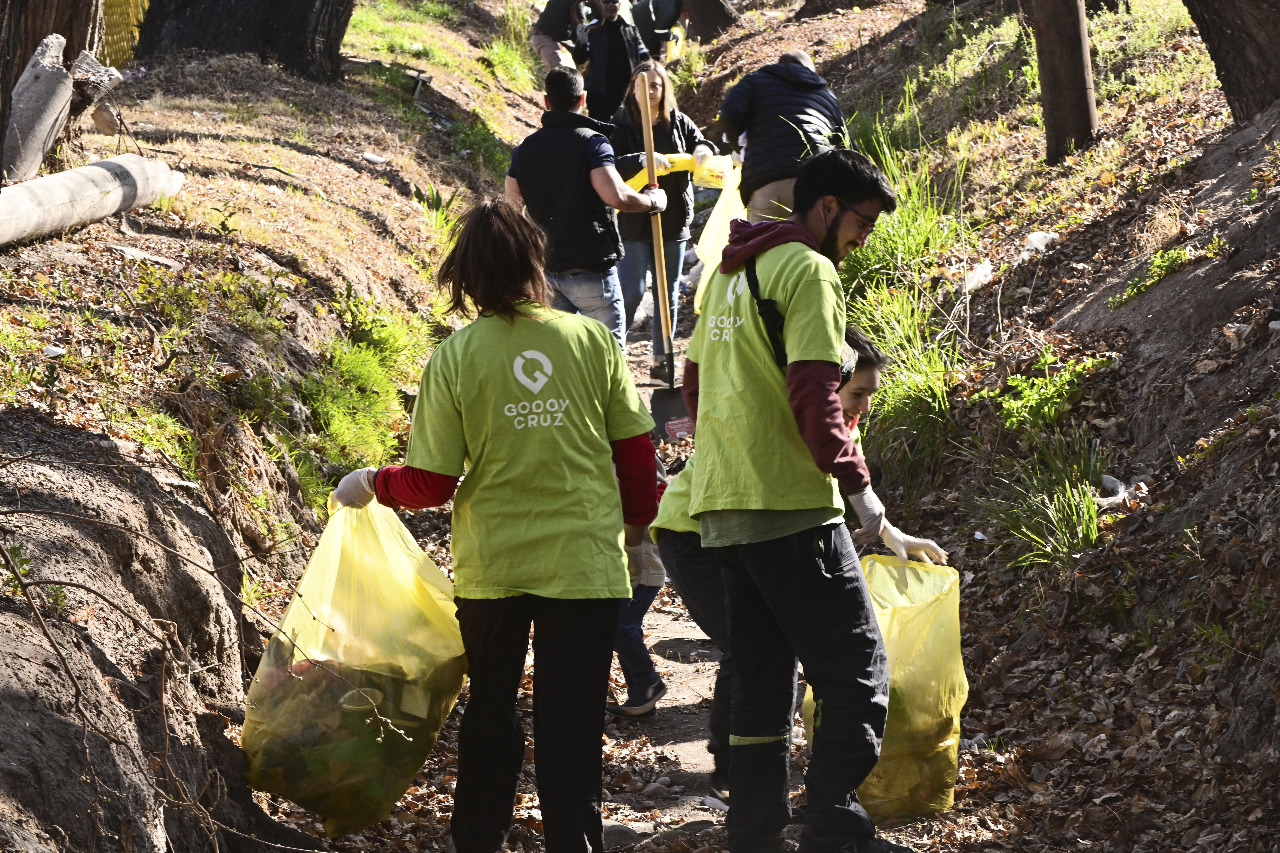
[[1066, 77], [709, 19], [10, 65], [1242, 36], [78, 21], [305, 36]]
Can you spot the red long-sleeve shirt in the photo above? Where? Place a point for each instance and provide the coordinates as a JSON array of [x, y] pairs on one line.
[[633, 459]]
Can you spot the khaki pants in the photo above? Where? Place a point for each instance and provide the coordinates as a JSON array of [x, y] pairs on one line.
[[772, 201], [552, 52]]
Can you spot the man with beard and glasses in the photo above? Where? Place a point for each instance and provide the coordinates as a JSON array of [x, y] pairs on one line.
[[775, 465]]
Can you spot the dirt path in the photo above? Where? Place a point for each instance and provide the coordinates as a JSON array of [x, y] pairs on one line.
[[687, 661]]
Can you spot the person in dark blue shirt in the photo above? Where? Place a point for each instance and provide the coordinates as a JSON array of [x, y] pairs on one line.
[[565, 178]]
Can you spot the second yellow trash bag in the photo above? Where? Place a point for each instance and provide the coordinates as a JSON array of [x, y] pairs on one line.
[[917, 606], [715, 233], [710, 175], [354, 687]]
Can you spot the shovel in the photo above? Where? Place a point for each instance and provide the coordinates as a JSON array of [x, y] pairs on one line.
[[667, 404]]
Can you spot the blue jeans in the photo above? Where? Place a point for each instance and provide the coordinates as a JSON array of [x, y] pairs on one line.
[[593, 294], [802, 596], [628, 642], [636, 270], [696, 574]]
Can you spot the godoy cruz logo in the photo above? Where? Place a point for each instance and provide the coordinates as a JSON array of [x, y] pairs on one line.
[[539, 377], [737, 284]]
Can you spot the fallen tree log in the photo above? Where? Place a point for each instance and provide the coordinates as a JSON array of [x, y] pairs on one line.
[[57, 203], [41, 103]]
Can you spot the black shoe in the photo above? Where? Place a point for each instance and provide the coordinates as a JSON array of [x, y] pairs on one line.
[[639, 702], [659, 372]]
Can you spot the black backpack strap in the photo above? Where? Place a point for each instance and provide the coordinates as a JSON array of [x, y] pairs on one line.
[[769, 313]]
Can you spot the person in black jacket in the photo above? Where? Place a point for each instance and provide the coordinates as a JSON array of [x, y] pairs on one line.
[[788, 113], [554, 27], [565, 177], [673, 133], [614, 49]]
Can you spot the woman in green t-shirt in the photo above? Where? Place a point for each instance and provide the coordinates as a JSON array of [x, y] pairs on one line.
[[537, 407]]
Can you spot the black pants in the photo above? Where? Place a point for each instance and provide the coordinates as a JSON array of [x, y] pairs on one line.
[[572, 652], [695, 571], [802, 596]]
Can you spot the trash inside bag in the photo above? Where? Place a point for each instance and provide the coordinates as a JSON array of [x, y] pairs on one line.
[[354, 687], [917, 606]]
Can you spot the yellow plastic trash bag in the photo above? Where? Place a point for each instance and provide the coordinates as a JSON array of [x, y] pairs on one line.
[[715, 234], [675, 46], [710, 174], [354, 687], [917, 606], [714, 172]]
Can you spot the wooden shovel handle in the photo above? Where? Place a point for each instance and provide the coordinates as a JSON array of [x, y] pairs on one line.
[[659, 255]]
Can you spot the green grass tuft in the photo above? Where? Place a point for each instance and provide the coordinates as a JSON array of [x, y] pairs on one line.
[[1046, 500], [1161, 265], [511, 63], [927, 222], [910, 429], [1038, 402]]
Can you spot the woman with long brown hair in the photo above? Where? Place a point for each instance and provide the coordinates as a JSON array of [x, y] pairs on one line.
[[673, 133], [537, 408]]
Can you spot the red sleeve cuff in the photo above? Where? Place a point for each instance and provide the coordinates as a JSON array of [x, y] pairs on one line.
[[413, 488]]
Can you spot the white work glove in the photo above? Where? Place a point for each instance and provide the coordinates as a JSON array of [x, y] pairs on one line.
[[580, 34], [735, 157], [661, 162], [659, 198], [644, 563], [870, 513], [911, 547], [701, 154], [355, 489]]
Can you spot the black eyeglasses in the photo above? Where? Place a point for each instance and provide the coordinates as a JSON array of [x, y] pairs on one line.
[[867, 223]]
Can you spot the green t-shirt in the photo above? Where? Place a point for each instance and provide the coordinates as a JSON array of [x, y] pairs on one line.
[[730, 526], [527, 409], [673, 509], [750, 452]]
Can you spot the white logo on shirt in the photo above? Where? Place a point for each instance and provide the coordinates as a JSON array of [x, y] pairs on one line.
[[722, 326], [540, 377]]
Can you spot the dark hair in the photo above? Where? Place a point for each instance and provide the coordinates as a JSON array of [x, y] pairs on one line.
[[795, 56], [668, 97], [848, 175], [869, 355], [496, 260], [564, 88]]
